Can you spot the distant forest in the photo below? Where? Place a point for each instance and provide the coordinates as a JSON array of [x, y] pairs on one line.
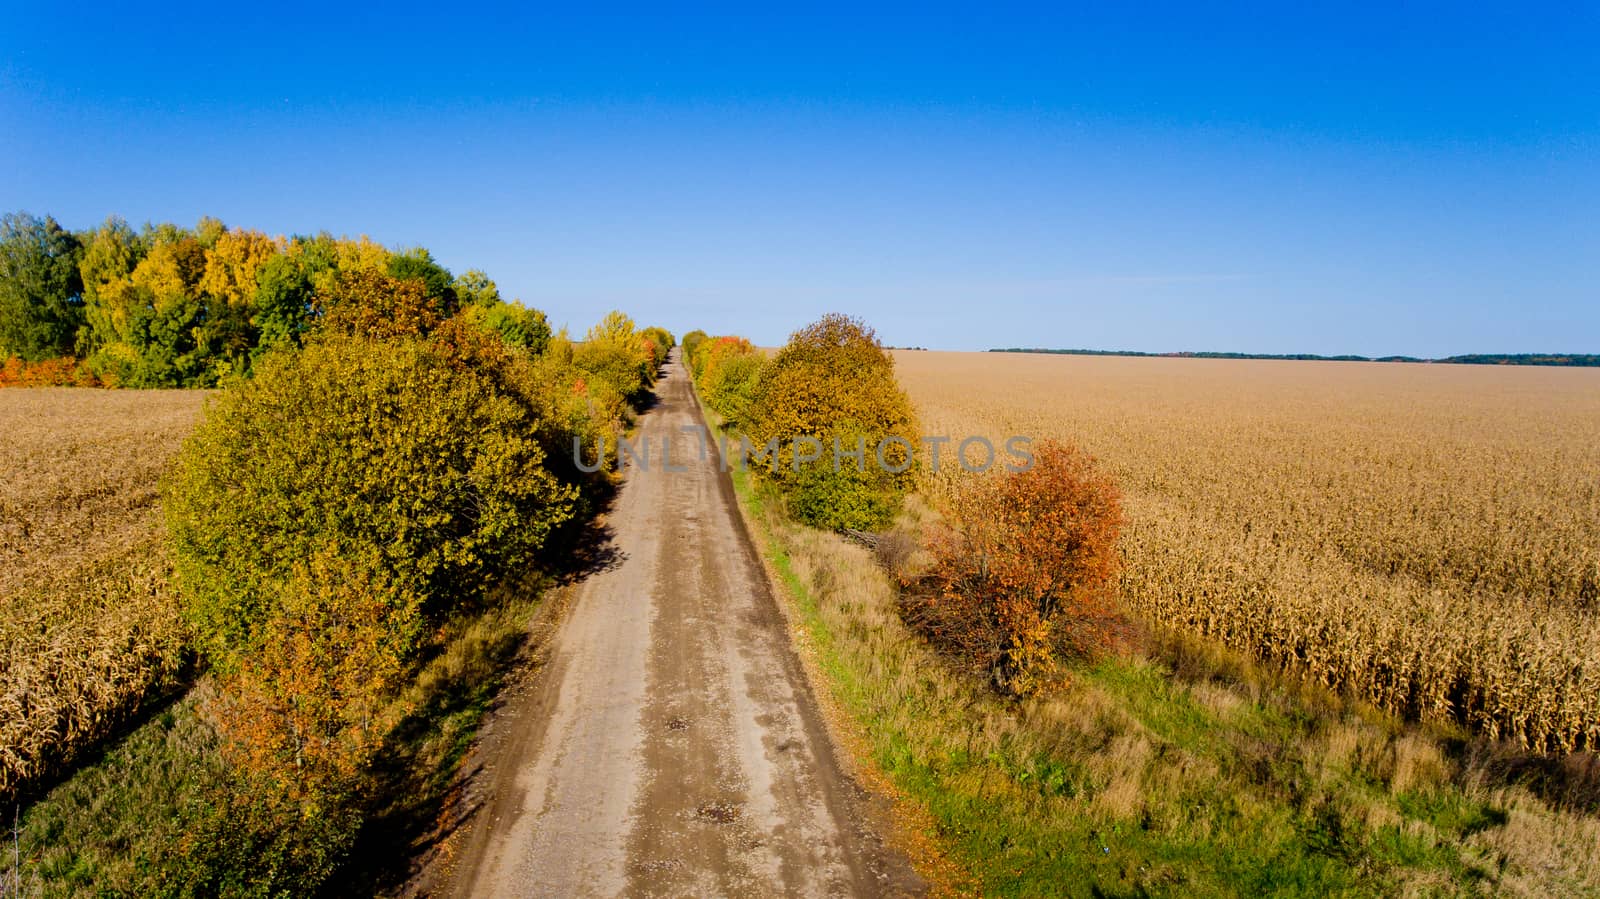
[[1585, 360]]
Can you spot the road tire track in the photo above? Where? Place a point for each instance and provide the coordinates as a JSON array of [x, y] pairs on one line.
[[671, 746]]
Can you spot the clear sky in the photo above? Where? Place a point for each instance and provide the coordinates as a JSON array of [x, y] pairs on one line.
[[1328, 178]]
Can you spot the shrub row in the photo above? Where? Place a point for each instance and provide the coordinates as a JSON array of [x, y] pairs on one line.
[[832, 385], [339, 506], [1021, 579]]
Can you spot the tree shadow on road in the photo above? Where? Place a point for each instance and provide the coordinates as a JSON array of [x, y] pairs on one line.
[[430, 783]]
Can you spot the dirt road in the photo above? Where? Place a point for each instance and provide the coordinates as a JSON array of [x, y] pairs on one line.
[[671, 747]]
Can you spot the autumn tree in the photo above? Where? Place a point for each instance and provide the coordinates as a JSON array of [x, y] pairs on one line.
[[1023, 577], [110, 255], [230, 286], [691, 341], [518, 325], [832, 387], [366, 303], [615, 351], [474, 288], [362, 253], [158, 343], [316, 698], [660, 343], [726, 370]]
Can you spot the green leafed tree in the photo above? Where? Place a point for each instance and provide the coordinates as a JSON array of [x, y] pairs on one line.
[[417, 264], [285, 298], [518, 325], [41, 290], [476, 289]]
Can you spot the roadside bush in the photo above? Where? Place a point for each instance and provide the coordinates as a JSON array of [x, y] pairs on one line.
[[732, 385], [326, 518], [833, 375], [247, 839], [330, 517], [1022, 574], [569, 404], [616, 352], [300, 721], [690, 341], [726, 371], [315, 698], [430, 470], [846, 496], [660, 341]]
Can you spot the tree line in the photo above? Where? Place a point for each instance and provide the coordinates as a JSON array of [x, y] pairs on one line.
[[171, 306], [1579, 360]]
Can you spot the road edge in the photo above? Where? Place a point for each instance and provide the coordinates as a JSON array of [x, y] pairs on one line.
[[476, 784], [905, 825]]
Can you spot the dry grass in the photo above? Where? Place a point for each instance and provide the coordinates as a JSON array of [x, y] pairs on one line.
[[88, 623], [1427, 537]]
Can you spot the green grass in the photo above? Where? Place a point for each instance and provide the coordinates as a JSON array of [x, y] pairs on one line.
[[104, 830], [1138, 781]]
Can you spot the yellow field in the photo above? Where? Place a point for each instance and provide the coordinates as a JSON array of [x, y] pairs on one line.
[[1427, 536], [88, 622]]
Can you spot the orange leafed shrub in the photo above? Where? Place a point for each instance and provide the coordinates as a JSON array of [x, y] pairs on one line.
[[313, 704], [1023, 574], [63, 372]]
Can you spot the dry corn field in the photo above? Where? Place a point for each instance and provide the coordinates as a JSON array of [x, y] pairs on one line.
[[88, 623], [1425, 536]]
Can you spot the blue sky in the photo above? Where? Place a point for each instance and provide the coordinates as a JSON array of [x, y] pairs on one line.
[[1374, 180]]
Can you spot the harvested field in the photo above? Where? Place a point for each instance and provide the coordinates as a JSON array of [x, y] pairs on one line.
[[1425, 536], [90, 625]]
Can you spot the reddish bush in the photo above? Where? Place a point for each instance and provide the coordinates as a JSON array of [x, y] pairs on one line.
[[62, 372], [1022, 575]]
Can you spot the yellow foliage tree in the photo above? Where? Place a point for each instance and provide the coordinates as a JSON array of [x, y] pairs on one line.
[[834, 384], [368, 303], [361, 253], [171, 273], [232, 262], [833, 374], [614, 351]]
